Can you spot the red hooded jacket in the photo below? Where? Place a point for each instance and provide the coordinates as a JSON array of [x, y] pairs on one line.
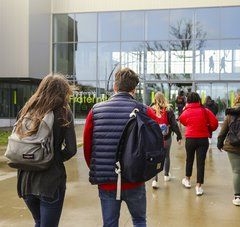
[[198, 120]]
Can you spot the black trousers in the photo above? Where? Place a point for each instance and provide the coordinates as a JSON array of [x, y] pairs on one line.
[[200, 147]]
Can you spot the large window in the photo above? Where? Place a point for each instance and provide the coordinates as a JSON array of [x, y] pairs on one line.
[[165, 47]]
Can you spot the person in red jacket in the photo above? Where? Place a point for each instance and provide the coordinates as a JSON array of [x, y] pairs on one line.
[[168, 124], [200, 123]]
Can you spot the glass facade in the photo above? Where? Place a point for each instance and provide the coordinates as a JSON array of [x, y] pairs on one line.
[[188, 49]]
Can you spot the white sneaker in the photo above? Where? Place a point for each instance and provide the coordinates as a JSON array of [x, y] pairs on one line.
[[167, 178], [155, 184], [186, 183], [199, 190], [236, 200]]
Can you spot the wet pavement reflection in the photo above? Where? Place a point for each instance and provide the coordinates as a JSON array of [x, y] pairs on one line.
[[171, 205]]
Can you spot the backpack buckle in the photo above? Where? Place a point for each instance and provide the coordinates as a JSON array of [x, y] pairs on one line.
[[133, 113]]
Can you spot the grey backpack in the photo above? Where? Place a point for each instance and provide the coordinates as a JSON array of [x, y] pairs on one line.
[[35, 152]]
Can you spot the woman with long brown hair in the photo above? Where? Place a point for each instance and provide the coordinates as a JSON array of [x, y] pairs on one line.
[[44, 191], [233, 150], [167, 121]]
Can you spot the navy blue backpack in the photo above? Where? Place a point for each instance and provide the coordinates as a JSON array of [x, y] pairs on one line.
[[140, 153]]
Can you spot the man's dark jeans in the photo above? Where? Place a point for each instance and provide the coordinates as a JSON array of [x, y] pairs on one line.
[[136, 203], [46, 211]]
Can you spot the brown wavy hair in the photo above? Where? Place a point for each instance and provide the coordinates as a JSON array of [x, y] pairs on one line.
[[52, 94]]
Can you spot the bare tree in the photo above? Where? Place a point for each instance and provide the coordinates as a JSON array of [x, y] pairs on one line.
[[184, 35]]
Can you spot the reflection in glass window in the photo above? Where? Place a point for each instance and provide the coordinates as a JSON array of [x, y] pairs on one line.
[[181, 58], [230, 59], [230, 17], [109, 27], [181, 61], [181, 24], [63, 59], [63, 28], [207, 23], [132, 28], [207, 59], [157, 60], [85, 61], [132, 56], [86, 28], [160, 45], [108, 60], [157, 25]]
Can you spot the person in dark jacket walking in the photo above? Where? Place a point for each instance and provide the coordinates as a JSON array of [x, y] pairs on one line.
[[166, 119], [103, 128], [232, 151], [44, 191], [180, 102], [199, 122], [211, 105]]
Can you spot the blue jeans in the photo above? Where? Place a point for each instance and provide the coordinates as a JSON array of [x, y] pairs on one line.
[[46, 211], [136, 202]]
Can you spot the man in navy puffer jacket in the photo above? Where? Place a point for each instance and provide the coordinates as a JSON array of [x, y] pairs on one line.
[[104, 125]]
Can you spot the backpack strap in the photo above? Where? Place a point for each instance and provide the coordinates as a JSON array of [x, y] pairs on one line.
[[119, 155], [119, 180]]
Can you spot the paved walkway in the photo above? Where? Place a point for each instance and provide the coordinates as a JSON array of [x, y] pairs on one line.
[[170, 206]]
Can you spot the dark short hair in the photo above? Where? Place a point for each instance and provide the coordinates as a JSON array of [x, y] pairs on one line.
[[181, 93], [126, 80], [193, 97]]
